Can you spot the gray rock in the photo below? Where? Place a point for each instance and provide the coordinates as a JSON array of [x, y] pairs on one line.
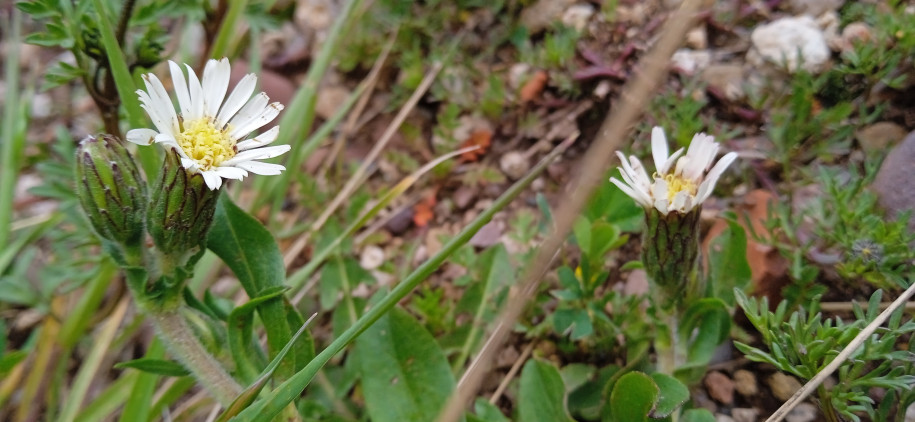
[[894, 184]]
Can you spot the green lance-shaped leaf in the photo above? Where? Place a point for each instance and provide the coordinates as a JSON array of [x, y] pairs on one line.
[[250, 251], [542, 394], [405, 375], [155, 366]]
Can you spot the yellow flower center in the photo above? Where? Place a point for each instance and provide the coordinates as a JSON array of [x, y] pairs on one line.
[[677, 184], [203, 142]]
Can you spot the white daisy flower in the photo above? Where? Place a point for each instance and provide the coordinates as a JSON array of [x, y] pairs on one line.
[[210, 130], [679, 188]]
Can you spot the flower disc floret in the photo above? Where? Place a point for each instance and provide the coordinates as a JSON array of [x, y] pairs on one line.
[[209, 130], [681, 182]]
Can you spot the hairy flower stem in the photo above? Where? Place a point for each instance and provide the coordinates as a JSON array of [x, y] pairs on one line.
[[181, 341]]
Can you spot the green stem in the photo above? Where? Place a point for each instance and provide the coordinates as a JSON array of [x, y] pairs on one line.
[[12, 143], [181, 341], [829, 412], [228, 29]]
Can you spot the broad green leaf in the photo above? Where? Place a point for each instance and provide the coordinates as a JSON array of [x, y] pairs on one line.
[[575, 375], [633, 397], [487, 412], [582, 230], [250, 251], [706, 324], [405, 376], [604, 237], [155, 366], [585, 401], [574, 322], [697, 415], [542, 394], [246, 247], [672, 395], [728, 266]]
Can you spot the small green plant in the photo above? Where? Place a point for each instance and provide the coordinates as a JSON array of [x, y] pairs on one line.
[[803, 342]]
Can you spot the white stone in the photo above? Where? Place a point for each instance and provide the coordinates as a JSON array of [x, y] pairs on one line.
[[371, 258], [577, 16], [781, 42], [691, 61]]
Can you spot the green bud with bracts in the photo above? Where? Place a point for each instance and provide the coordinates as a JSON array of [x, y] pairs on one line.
[[180, 212], [111, 191], [670, 252]]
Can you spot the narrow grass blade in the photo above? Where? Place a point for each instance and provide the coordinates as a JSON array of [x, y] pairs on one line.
[[110, 399], [12, 142], [149, 157], [89, 367], [141, 395], [228, 29]]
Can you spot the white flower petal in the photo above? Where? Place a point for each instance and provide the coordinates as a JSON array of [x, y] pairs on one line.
[[189, 164], [708, 185], [196, 91], [263, 139], [161, 101], [640, 197], [681, 199], [230, 172], [641, 175], [141, 136], [250, 110], [266, 116], [212, 179], [237, 99], [257, 154], [180, 85], [265, 169], [156, 112], [665, 167], [662, 206], [215, 83], [658, 148]]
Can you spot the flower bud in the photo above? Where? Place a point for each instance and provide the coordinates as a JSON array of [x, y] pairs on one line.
[[110, 190], [670, 252], [180, 210]]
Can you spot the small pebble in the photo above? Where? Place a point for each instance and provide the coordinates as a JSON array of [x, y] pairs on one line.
[[744, 414], [804, 412], [745, 383], [783, 386], [720, 387]]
